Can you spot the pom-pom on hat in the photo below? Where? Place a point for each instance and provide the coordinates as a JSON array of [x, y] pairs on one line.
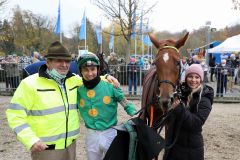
[[195, 68], [57, 51]]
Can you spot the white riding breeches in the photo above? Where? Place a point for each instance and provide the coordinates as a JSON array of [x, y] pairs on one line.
[[98, 142]]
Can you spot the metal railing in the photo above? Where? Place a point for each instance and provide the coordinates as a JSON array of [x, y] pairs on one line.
[[225, 81]]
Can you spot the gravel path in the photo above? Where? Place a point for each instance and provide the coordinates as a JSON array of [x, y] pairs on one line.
[[221, 134]]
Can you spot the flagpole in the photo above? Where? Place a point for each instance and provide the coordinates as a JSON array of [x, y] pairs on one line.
[[60, 23], [135, 46], [85, 31], [113, 44], [151, 54], [60, 36], [141, 30], [101, 46]]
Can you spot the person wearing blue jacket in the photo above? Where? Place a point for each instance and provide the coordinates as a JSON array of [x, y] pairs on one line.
[[34, 67]]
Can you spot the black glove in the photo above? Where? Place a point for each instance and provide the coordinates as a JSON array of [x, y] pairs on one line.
[[184, 90]]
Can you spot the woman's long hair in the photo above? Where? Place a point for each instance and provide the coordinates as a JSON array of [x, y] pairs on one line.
[[198, 89]]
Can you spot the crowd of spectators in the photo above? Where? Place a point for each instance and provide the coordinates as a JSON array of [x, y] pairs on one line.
[[226, 74], [134, 67], [11, 67]]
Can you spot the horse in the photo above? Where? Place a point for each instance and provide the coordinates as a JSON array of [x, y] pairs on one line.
[[161, 82], [104, 68]]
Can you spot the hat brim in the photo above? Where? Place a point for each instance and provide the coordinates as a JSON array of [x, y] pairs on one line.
[[59, 57]]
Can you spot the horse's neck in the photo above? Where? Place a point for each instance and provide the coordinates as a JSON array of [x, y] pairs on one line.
[[149, 87]]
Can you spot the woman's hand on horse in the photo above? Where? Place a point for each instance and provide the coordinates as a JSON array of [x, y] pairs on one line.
[[113, 80], [176, 103]]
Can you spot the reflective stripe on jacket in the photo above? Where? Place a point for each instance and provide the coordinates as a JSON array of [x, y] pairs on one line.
[[39, 109]]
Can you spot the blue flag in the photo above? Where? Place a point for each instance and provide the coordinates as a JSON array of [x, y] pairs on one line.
[[82, 34], [58, 24], [146, 40], [133, 35], [98, 30], [111, 41]]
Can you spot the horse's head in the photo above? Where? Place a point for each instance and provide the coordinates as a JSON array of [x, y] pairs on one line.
[[168, 67]]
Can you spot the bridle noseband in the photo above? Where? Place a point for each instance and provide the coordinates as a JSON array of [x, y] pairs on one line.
[[168, 82]]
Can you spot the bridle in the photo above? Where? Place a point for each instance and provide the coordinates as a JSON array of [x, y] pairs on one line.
[[179, 72]]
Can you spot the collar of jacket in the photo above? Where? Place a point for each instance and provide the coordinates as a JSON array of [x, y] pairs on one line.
[[42, 72]]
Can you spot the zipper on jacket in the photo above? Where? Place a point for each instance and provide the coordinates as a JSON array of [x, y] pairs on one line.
[[66, 112]]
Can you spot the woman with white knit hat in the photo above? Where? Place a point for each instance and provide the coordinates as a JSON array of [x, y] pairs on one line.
[[189, 115]]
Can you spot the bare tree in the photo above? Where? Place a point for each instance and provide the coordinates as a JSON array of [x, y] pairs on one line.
[[236, 4], [3, 4], [121, 12]]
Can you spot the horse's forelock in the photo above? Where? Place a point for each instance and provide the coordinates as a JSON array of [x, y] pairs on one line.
[[167, 42], [173, 57]]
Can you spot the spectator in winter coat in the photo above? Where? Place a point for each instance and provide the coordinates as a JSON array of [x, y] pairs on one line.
[[212, 65], [232, 65], [113, 65], [193, 60], [189, 117], [132, 70], [221, 72], [184, 67]]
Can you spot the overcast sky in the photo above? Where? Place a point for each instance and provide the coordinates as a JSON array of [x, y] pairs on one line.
[[170, 15]]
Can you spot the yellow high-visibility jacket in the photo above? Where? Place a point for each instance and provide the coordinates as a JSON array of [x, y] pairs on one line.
[[40, 110]]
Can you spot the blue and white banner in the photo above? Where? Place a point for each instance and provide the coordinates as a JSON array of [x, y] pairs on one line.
[[98, 31], [82, 33], [58, 24]]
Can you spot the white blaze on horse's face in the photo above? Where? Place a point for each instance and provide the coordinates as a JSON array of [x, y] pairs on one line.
[[165, 57]]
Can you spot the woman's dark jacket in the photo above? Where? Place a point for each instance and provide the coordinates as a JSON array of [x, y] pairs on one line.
[[187, 125]]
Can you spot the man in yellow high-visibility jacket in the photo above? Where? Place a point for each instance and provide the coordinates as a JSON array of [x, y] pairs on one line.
[[43, 111]]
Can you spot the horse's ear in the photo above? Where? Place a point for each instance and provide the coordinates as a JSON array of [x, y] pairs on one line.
[[182, 41], [154, 40]]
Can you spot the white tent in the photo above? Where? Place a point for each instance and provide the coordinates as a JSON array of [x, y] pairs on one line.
[[231, 44]]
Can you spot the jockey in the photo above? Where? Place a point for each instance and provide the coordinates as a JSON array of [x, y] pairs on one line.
[[97, 103]]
